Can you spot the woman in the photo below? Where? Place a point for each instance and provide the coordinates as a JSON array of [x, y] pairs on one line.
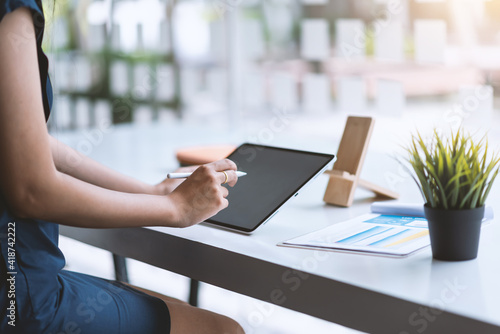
[[40, 189]]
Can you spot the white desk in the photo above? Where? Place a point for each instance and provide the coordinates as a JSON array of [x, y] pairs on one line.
[[371, 294]]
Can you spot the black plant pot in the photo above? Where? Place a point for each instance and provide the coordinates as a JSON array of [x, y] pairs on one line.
[[454, 233]]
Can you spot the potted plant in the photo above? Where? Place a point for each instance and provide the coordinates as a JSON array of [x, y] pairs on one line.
[[455, 176]]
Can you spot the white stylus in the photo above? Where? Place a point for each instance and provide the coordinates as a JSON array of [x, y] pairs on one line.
[[186, 175]]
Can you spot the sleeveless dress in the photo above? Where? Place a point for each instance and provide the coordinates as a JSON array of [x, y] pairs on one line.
[[36, 294]]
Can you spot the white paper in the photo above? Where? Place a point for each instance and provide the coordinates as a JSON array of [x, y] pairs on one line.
[[392, 229], [389, 40], [284, 91], [316, 92], [350, 39], [351, 94], [315, 39], [390, 97], [430, 41], [373, 234]]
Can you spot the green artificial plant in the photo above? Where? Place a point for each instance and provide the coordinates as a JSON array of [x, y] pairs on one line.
[[453, 174]]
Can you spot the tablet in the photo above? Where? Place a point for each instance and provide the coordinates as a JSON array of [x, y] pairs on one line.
[[274, 176]]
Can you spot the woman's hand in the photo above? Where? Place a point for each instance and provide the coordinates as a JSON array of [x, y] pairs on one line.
[[202, 195], [168, 185]]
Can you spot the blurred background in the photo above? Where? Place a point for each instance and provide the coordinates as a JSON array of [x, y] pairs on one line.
[[158, 60], [234, 66]]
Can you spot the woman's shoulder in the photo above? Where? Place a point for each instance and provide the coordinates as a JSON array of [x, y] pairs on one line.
[[8, 6]]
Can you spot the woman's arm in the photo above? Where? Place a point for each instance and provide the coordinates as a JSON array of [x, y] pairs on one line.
[[30, 183], [78, 165]]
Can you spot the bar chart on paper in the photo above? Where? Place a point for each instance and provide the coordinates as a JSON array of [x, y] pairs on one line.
[[378, 234], [393, 232]]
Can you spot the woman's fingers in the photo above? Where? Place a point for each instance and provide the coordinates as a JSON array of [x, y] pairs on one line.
[[225, 167], [187, 169], [224, 192], [228, 177], [203, 193], [224, 164]]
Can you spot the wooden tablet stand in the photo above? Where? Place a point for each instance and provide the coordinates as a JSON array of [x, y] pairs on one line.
[[344, 177]]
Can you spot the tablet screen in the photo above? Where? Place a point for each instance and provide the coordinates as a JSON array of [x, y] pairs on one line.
[[273, 176]]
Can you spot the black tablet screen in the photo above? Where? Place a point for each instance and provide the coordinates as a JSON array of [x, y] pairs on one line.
[[274, 175]]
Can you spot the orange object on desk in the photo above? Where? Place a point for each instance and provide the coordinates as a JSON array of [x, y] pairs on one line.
[[200, 155]]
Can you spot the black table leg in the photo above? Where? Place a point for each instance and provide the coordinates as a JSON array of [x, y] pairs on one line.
[[120, 268], [194, 287]]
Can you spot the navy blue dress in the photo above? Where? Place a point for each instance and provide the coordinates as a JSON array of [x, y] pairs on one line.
[[36, 294]]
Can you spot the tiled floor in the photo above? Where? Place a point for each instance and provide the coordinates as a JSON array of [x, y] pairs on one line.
[[255, 316]]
